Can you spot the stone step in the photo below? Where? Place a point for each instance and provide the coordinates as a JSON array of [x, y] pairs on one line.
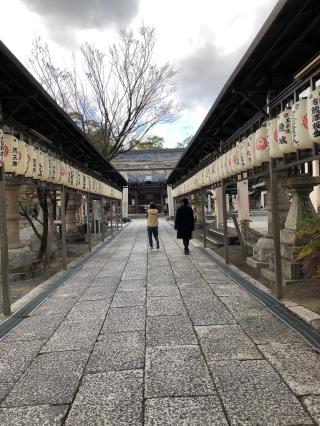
[[218, 235], [213, 241]]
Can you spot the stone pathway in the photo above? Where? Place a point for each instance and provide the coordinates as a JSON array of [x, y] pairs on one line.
[[155, 338]]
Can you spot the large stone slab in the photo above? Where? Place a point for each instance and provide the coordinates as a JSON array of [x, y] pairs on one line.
[[74, 336], [165, 306], [228, 289], [312, 403], [114, 398], [253, 394], [134, 274], [88, 310], [132, 285], [163, 290], [43, 415], [268, 329], [176, 371], [15, 357], [196, 293], [221, 343], [297, 364], [243, 308], [201, 410], [52, 378], [217, 277], [129, 298], [98, 292], [118, 351], [54, 307], [36, 328], [170, 331], [208, 311], [125, 319]]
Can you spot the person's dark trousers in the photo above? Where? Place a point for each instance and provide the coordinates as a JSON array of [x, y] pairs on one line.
[[186, 244], [153, 231]]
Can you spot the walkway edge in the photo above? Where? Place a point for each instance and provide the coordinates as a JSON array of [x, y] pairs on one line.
[[284, 310], [48, 287]]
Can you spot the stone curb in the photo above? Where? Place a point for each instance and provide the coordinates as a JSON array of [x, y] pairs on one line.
[[16, 306], [310, 317]]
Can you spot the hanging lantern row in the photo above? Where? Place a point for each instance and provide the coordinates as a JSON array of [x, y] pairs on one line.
[[293, 129], [22, 159]]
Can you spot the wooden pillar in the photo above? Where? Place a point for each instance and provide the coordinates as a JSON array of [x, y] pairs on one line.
[[220, 200], [103, 228], [63, 227], [276, 230], [203, 197], [243, 200], [225, 224], [88, 222], [6, 300], [111, 217]]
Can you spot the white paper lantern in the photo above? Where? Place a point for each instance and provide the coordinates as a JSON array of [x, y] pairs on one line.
[[10, 153], [252, 158], [261, 145], [272, 139], [233, 161], [53, 169], [225, 164], [46, 168], [57, 177], [22, 158], [31, 155], [240, 159], [50, 165], [299, 125], [244, 154], [284, 132], [40, 165], [63, 173], [1, 146], [313, 111]]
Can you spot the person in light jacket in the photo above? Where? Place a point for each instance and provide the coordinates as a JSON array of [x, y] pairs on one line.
[[184, 223], [152, 225]]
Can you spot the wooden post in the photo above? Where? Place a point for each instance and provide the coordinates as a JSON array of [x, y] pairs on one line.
[[6, 300], [276, 230], [225, 224], [117, 216], [204, 218], [237, 228], [63, 227], [111, 217], [103, 232], [88, 222]]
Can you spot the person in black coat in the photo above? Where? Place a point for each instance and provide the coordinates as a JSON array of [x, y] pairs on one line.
[[184, 223]]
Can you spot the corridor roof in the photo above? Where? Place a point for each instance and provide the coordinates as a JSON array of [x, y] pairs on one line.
[[288, 40], [25, 102]]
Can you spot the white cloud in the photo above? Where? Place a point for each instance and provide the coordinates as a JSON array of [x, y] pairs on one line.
[[205, 38]]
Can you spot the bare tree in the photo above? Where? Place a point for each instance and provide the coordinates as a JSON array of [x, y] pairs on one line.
[[133, 94], [120, 96], [65, 85]]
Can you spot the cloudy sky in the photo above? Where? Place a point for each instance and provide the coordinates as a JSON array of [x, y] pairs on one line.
[[204, 38]]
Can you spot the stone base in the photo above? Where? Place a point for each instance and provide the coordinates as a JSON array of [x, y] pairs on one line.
[[75, 237], [256, 263], [55, 245], [291, 270], [270, 276], [288, 236], [263, 249], [20, 260]]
